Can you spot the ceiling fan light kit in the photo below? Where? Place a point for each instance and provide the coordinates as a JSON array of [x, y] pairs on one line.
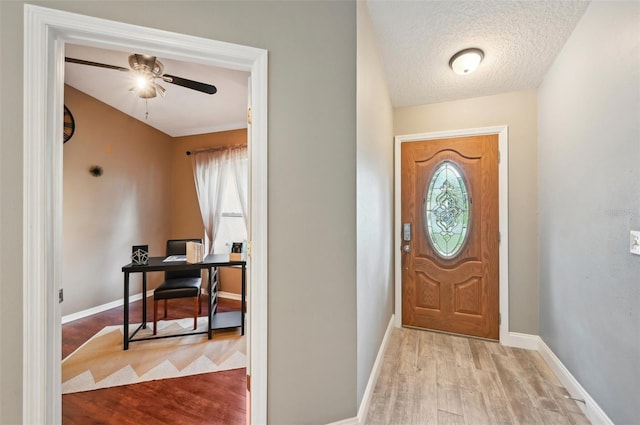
[[146, 64], [147, 68], [466, 61], [146, 88]]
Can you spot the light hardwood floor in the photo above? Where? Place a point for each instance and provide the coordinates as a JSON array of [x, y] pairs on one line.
[[435, 378]]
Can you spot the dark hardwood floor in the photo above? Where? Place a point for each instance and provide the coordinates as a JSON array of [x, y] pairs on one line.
[[212, 398]]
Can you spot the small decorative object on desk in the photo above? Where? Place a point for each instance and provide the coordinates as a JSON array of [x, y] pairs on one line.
[[140, 255], [236, 251], [195, 253]]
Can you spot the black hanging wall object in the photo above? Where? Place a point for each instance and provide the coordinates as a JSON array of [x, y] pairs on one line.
[[96, 170], [68, 125]]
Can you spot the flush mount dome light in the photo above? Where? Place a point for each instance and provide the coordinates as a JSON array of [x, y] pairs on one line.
[[466, 61]]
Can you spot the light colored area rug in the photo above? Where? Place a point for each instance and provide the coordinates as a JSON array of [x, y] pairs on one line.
[[101, 362]]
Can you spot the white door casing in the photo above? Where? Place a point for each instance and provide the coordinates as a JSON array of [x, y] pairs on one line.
[[45, 33], [503, 189]]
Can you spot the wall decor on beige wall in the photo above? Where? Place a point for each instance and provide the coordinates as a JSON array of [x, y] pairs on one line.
[[68, 125], [96, 170]]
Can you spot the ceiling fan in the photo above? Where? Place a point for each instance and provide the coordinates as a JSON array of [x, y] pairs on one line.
[[146, 70]]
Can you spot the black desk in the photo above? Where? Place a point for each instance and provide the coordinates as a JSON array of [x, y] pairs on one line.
[[231, 319]]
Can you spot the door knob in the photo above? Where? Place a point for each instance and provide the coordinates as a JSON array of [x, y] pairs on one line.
[[406, 248]]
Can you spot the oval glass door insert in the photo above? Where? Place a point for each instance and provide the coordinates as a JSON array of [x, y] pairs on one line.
[[446, 208]]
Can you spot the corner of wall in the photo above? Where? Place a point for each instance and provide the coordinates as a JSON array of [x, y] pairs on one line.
[[584, 400]]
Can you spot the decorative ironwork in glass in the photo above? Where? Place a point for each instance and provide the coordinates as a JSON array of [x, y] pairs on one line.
[[446, 207]]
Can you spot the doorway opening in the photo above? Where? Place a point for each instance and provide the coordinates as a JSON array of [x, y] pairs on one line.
[[46, 31]]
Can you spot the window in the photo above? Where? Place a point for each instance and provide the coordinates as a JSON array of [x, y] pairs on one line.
[[446, 210], [231, 227]]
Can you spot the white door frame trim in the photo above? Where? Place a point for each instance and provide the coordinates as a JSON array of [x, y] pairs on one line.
[[45, 33], [503, 201]]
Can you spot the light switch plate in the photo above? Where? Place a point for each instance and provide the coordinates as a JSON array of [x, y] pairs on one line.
[[634, 242]]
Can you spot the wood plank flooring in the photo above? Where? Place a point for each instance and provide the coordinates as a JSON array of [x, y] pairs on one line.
[[212, 398], [434, 378], [426, 378]]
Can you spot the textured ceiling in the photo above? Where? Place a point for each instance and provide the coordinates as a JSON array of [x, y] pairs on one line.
[[520, 40], [182, 111]]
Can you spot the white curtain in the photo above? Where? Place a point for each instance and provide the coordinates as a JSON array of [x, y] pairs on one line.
[[209, 173], [239, 166], [211, 168]]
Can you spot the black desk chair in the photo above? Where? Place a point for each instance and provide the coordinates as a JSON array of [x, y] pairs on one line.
[[178, 284]]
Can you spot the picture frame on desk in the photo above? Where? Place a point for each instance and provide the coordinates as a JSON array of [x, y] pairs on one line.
[[236, 251], [140, 255]]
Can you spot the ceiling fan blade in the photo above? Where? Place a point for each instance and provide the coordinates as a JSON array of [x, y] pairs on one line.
[[190, 84], [100, 65]]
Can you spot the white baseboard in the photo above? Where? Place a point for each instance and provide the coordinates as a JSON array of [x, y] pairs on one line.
[[375, 372], [520, 340], [349, 421], [104, 307], [230, 295], [117, 303], [590, 408], [533, 342], [373, 378]]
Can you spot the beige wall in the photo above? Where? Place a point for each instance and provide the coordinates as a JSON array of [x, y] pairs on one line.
[[311, 198], [518, 110], [145, 196], [186, 220], [104, 216]]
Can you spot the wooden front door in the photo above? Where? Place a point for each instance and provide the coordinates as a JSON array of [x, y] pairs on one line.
[[450, 235]]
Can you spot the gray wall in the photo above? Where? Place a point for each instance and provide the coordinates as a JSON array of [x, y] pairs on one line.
[[518, 110], [374, 201], [589, 174], [312, 189]]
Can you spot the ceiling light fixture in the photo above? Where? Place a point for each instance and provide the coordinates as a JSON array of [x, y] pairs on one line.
[[466, 61], [146, 70], [142, 82]]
